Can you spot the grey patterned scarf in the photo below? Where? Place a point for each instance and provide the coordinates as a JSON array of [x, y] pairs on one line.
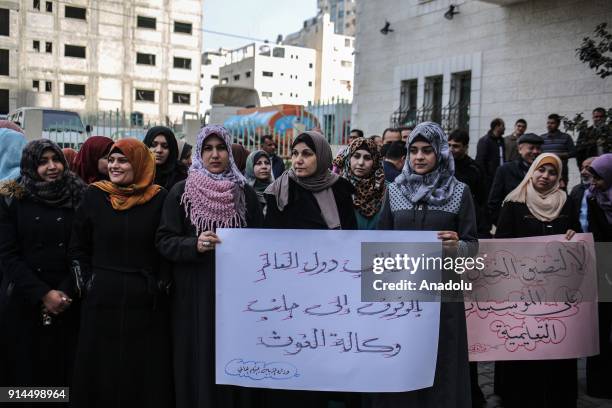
[[437, 186]]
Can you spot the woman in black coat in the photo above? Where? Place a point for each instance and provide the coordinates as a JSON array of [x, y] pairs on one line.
[[124, 352], [169, 169], [426, 196], [538, 207], [599, 201], [215, 195], [309, 196], [36, 212]]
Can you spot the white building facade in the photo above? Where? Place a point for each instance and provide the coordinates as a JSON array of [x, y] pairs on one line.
[[212, 61], [335, 57], [501, 58], [342, 13], [281, 74], [103, 55]]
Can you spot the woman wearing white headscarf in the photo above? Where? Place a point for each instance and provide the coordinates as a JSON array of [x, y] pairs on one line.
[[426, 196], [537, 207]]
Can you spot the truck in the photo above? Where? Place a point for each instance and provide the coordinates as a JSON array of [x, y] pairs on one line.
[[61, 126]]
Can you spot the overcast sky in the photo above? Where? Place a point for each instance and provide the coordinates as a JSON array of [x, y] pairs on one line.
[[262, 19]]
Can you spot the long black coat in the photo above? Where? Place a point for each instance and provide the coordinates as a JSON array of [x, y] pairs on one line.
[[33, 250], [193, 306], [507, 178], [303, 212], [124, 352], [488, 156], [547, 383], [451, 387], [598, 367]]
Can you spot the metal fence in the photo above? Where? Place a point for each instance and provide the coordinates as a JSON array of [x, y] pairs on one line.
[[332, 118], [118, 125]]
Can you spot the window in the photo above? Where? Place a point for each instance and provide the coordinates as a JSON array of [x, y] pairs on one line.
[[278, 52], [214, 77], [4, 22], [346, 64], [184, 28], [48, 47], [247, 74], [266, 94], [145, 59], [223, 81], [144, 95], [267, 73], [408, 98], [75, 51], [74, 90], [181, 98], [4, 101], [4, 62], [459, 106], [36, 4], [35, 85], [433, 98], [49, 7], [48, 86], [182, 63], [347, 41], [146, 22], [36, 45], [310, 65], [237, 77], [75, 12], [309, 83]]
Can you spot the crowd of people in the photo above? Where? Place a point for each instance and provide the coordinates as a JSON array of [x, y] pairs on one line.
[[107, 255]]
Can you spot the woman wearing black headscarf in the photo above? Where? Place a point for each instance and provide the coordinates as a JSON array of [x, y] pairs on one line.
[[36, 213], [426, 196], [308, 196], [168, 168]]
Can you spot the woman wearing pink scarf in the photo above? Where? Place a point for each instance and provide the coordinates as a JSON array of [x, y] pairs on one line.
[[214, 195]]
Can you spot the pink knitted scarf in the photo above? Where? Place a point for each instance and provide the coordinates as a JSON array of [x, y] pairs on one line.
[[213, 203]]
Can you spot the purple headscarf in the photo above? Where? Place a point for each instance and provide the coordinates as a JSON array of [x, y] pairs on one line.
[[602, 165], [214, 200]]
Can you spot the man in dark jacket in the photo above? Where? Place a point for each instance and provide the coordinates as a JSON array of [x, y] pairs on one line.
[[269, 146], [393, 162], [510, 175], [466, 168], [511, 141], [490, 151], [579, 196], [595, 140], [558, 143]]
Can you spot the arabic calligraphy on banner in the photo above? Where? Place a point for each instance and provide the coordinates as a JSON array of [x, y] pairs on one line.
[[290, 316], [535, 299]]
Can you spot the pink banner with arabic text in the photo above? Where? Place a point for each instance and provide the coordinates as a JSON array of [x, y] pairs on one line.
[[534, 300]]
